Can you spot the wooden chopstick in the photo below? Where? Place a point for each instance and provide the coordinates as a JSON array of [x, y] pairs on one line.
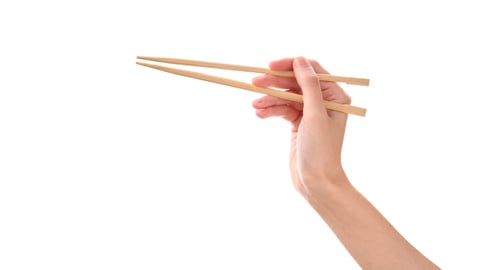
[[322, 77], [345, 108]]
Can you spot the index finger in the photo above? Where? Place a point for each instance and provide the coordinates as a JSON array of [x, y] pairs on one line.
[[285, 64]]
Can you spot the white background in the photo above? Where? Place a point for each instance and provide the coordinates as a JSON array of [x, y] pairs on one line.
[[105, 164]]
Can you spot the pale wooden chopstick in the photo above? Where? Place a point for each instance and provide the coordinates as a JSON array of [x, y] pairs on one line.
[[322, 77], [345, 108]]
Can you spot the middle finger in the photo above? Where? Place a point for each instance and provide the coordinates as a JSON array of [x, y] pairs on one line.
[[268, 80]]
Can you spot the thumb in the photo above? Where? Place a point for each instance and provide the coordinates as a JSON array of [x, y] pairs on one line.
[[308, 81]]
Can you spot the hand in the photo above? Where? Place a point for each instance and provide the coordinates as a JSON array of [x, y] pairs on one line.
[[317, 133]]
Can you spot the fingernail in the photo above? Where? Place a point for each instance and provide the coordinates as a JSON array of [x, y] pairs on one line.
[[255, 79], [302, 62], [258, 101]]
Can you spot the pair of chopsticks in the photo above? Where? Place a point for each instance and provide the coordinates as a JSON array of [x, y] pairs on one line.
[[345, 108]]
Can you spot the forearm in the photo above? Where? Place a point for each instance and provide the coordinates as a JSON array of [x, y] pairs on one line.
[[371, 240]]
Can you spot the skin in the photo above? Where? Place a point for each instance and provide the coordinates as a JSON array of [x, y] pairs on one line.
[[317, 172]]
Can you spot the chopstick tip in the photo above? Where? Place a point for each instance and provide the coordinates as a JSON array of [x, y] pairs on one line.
[[142, 64]]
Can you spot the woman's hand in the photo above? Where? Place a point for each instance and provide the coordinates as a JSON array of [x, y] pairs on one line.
[[317, 133]]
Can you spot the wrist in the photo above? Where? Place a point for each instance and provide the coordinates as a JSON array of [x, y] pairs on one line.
[[323, 188], [316, 180]]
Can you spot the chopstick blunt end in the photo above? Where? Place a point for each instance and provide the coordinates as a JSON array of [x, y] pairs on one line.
[[362, 112], [359, 81], [345, 108]]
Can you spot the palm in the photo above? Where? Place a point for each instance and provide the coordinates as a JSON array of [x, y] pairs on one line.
[[293, 163]]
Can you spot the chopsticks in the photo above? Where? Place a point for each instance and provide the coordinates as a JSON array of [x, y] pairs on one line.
[[345, 108]]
